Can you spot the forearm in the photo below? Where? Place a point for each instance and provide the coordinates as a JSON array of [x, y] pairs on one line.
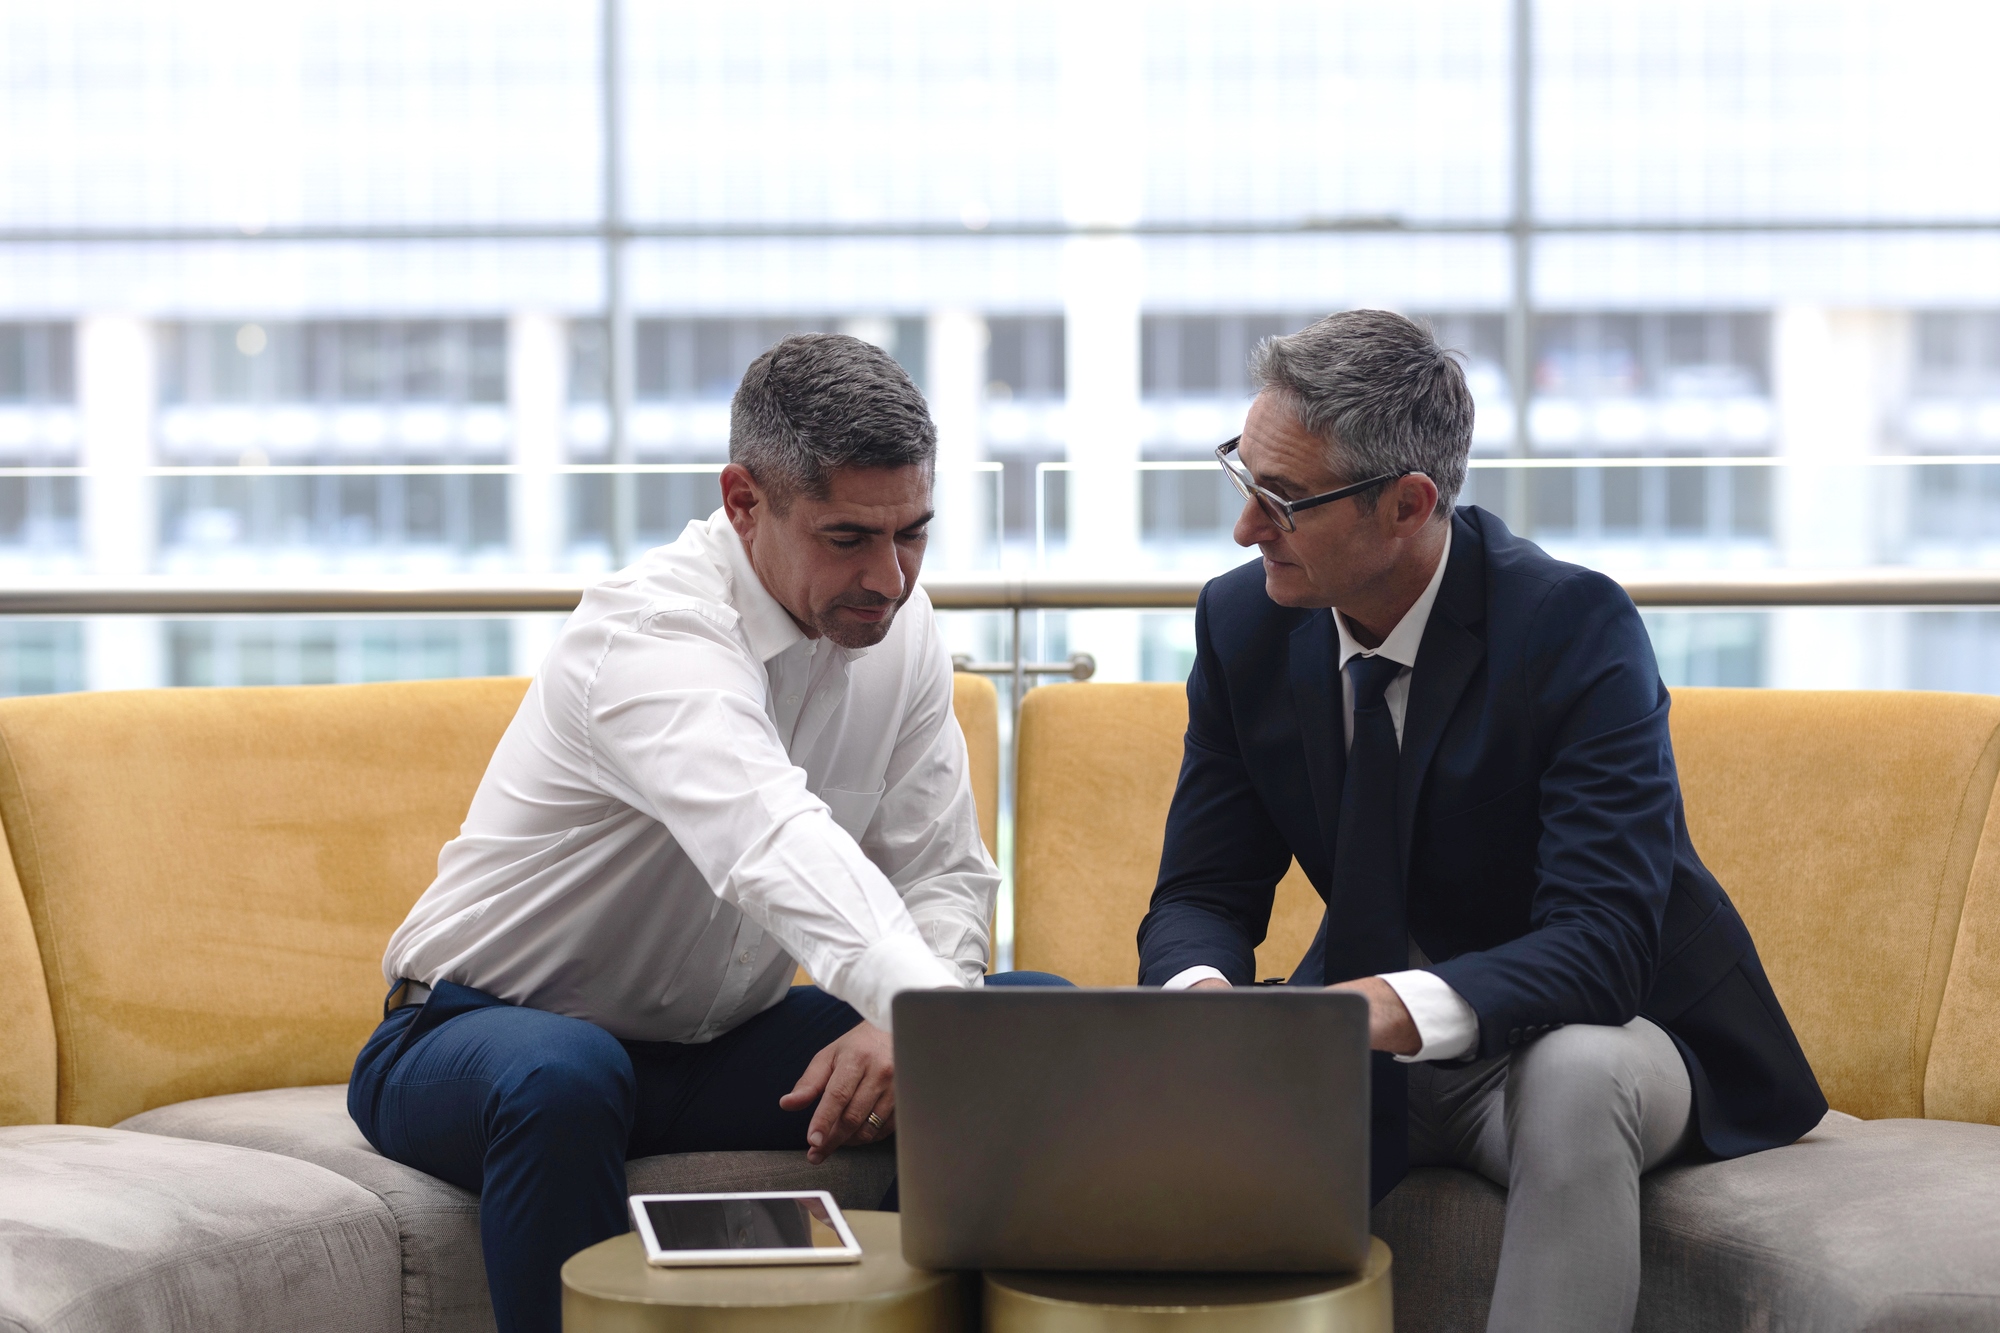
[[954, 914], [833, 910]]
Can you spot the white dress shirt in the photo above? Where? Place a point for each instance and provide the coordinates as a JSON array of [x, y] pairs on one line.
[[693, 795], [1446, 1024]]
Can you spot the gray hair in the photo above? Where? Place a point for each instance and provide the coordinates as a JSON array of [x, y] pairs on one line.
[[816, 402], [1382, 394]]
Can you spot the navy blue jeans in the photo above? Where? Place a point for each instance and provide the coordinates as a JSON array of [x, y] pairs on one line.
[[537, 1113]]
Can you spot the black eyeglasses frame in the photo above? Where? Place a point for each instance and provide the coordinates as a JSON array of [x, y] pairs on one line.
[[1277, 506]]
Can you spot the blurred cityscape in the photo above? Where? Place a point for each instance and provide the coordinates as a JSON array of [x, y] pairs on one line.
[[328, 289]]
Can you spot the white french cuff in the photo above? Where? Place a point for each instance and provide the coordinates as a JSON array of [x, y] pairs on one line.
[[1200, 972], [889, 966], [1446, 1024]]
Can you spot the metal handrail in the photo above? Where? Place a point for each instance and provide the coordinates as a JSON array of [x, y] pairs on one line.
[[167, 596]]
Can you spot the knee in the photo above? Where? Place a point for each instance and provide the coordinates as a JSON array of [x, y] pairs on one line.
[[1027, 979], [1577, 1078], [583, 1079]]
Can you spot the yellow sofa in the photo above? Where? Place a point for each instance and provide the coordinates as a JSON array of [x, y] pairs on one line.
[[195, 893], [197, 886], [1859, 834]]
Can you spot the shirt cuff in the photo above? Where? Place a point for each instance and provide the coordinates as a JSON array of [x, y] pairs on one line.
[[891, 965], [1446, 1025], [1202, 972]]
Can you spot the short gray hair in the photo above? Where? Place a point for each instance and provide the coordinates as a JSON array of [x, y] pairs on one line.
[[1382, 394], [816, 402]]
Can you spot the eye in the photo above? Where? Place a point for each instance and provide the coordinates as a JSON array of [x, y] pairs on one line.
[[846, 543]]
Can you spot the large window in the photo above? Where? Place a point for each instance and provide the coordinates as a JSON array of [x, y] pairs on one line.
[[450, 289]]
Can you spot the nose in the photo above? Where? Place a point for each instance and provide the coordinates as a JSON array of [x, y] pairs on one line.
[[1254, 526], [882, 573]]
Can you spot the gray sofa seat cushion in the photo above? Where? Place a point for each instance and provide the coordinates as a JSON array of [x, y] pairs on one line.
[[102, 1229], [1443, 1225], [444, 1277], [1875, 1225]]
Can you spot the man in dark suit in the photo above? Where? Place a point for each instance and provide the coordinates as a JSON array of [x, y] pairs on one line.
[[1468, 755]]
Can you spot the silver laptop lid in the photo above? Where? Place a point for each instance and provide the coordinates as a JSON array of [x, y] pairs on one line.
[[1133, 1129]]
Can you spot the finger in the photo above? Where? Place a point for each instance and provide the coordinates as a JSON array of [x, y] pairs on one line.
[[826, 1131], [811, 1083], [881, 1127], [885, 1105], [869, 1100]]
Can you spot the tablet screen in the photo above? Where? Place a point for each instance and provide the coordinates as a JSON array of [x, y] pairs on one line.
[[742, 1224]]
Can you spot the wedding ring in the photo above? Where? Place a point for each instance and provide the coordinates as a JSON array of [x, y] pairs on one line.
[[876, 1121]]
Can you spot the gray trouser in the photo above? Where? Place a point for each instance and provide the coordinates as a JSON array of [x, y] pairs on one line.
[[1567, 1124]]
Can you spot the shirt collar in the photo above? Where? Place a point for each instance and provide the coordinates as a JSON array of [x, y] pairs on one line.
[[769, 627], [1404, 640]]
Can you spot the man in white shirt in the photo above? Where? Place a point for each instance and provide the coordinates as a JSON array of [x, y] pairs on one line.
[[1464, 744], [739, 756]]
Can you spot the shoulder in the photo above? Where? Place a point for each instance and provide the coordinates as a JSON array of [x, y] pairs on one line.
[[1526, 583]]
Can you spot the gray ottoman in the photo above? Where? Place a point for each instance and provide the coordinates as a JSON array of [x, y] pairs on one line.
[[104, 1229]]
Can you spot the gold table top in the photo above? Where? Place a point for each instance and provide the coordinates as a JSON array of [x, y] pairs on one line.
[[1048, 1302], [611, 1286]]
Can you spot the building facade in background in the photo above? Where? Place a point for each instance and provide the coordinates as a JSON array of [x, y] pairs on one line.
[[324, 292]]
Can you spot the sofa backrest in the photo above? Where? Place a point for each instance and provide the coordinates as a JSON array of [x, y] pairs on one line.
[[212, 874], [976, 705], [210, 877], [27, 1030], [1096, 768], [1844, 825], [1962, 1077]]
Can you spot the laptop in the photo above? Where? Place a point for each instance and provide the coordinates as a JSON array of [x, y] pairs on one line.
[[1199, 1131]]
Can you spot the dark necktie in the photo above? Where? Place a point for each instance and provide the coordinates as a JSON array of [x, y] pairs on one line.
[[1367, 932], [1367, 929]]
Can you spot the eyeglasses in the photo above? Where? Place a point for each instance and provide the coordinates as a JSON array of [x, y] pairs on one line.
[[1277, 507]]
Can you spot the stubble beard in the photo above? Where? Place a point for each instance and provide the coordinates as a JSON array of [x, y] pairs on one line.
[[852, 634]]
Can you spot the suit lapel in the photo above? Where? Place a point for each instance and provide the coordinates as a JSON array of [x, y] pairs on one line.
[[1446, 659], [1315, 647]]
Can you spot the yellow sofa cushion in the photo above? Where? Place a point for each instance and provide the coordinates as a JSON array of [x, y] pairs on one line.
[[1962, 1077], [1096, 766], [27, 1031], [976, 705], [213, 874], [1844, 825]]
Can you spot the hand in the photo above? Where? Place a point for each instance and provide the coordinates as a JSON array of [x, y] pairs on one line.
[[852, 1078], [1210, 983], [1390, 1027]]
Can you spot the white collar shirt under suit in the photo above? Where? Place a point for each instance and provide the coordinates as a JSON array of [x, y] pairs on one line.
[[693, 795]]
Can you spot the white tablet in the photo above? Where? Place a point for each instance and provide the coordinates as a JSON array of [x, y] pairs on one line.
[[792, 1227]]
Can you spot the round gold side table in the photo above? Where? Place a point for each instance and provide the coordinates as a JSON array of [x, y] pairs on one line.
[[1178, 1303], [610, 1288]]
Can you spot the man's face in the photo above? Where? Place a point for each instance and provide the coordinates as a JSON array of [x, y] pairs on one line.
[[1336, 550], [841, 566]]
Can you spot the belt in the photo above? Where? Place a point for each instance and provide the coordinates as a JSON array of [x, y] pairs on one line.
[[403, 995]]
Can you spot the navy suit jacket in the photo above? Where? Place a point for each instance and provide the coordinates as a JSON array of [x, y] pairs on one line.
[[1549, 873]]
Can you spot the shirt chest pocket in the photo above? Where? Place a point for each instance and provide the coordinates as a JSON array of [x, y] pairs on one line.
[[852, 809]]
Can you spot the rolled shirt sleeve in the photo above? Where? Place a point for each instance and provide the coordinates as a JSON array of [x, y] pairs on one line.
[[925, 833]]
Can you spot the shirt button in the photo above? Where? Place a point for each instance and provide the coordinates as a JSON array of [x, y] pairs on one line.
[[744, 959]]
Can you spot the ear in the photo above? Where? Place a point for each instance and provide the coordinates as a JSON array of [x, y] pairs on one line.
[[743, 500], [1413, 499]]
